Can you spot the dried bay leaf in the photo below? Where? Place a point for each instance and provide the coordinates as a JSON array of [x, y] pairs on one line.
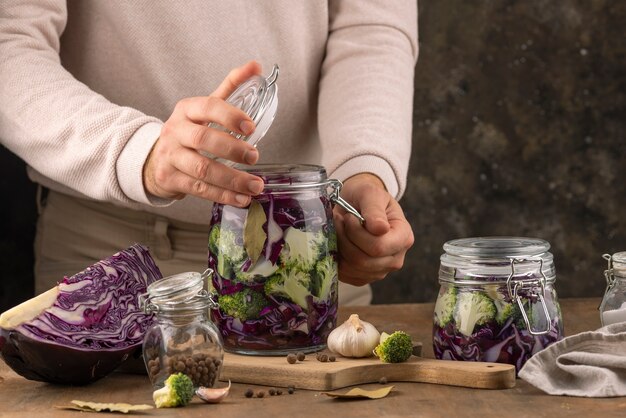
[[124, 408], [361, 393], [253, 234]]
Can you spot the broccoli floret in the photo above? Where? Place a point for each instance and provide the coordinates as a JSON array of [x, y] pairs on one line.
[[178, 391], [326, 274], [473, 308], [214, 238], [504, 309], [291, 284], [394, 348], [262, 268], [444, 308], [302, 249], [244, 305]]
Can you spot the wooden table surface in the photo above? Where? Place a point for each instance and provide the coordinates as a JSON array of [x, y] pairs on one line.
[[23, 398]]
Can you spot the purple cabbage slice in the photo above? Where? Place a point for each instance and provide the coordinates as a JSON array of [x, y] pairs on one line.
[[86, 326]]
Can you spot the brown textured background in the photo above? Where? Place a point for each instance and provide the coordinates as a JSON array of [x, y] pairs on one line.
[[518, 130]]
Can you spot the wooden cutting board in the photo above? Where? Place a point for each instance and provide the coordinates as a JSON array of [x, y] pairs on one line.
[[315, 375]]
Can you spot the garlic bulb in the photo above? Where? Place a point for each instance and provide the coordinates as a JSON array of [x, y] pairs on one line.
[[353, 338]]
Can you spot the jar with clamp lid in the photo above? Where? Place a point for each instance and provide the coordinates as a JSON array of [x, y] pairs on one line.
[[613, 306], [182, 339], [497, 301], [275, 263]]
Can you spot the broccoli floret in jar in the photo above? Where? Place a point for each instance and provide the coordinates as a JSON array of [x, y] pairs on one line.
[[227, 248], [326, 274], [290, 284], [504, 308], [444, 307], [244, 305], [302, 249], [473, 308]]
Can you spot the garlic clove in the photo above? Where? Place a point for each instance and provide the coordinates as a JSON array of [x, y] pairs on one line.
[[212, 395]]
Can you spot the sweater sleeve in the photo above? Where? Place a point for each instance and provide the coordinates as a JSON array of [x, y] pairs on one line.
[[56, 124], [366, 90]]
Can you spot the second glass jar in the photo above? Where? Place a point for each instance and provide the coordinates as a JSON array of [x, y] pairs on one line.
[[497, 301], [275, 264]]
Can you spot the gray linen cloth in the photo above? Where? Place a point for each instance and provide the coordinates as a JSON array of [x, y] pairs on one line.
[[590, 364]]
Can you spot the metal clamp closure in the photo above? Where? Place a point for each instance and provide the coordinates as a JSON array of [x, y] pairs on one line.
[[336, 186], [515, 286]]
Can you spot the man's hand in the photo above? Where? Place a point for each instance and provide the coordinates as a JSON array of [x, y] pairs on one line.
[[368, 252], [175, 168]]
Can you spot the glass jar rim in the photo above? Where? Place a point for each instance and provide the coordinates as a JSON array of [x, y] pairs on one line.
[[497, 247], [284, 176], [182, 292], [496, 259], [619, 260]]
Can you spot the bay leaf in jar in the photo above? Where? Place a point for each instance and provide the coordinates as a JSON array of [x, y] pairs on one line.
[[253, 234]]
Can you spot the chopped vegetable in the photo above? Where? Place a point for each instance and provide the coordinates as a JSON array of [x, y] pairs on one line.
[[246, 304], [473, 308], [302, 249], [82, 329], [178, 391], [289, 284], [444, 308], [394, 348]]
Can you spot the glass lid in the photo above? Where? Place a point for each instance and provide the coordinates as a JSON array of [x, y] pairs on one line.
[[258, 97], [496, 247], [178, 288]]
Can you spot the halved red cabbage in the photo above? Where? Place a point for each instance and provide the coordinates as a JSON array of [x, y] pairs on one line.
[[85, 327]]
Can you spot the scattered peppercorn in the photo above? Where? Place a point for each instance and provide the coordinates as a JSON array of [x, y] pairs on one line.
[[300, 355], [290, 390], [332, 358], [249, 393], [272, 391], [291, 358], [323, 358], [383, 380], [260, 394], [279, 392]]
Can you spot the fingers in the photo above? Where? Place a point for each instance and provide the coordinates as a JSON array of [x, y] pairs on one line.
[[204, 110], [235, 78], [358, 268], [214, 141], [181, 182], [396, 239], [214, 173]]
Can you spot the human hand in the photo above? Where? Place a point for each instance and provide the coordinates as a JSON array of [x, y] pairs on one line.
[[368, 252], [175, 168]]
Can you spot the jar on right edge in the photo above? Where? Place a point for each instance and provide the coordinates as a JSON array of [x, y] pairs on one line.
[[497, 301], [613, 306]]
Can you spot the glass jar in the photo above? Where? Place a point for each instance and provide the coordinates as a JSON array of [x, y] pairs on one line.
[[613, 306], [182, 339], [275, 263], [497, 301]]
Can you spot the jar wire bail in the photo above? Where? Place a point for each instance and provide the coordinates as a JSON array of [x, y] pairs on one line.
[[336, 186], [514, 286]]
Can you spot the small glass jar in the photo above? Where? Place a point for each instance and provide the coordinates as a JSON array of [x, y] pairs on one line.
[[613, 306], [497, 301], [275, 263], [182, 339]]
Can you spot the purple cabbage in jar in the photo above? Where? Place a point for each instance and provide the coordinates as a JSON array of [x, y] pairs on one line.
[[482, 323], [275, 279]]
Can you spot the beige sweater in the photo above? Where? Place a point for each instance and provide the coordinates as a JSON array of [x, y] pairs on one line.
[[85, 86]]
